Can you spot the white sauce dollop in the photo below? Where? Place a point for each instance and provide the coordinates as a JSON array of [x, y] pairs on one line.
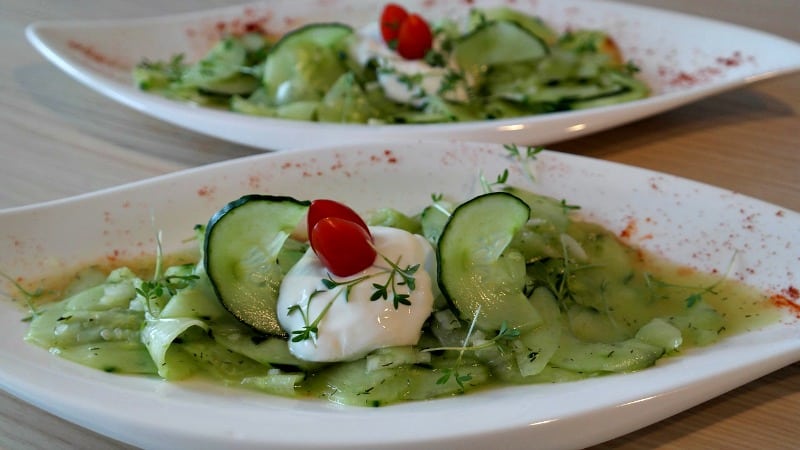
[[352, 328], [395, 71]]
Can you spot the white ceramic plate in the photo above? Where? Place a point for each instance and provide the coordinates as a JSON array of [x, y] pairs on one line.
[[692, 223], [683, 58]]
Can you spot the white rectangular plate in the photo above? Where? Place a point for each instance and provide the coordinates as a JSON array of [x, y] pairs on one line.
[[691, 223], [683, 59]]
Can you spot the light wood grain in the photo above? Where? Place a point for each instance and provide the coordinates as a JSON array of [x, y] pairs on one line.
[[58, 139]]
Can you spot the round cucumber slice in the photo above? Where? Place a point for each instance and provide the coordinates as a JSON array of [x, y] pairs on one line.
[[534, 24], [476, 273], [242, 244], [500, 42], [305, 63]]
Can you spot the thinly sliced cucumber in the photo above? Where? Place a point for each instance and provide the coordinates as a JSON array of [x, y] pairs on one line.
[[500, 42], [111, 356], [634, 90], [222, 63], [535, 348], [305, 63], [242, 244], [624, 356], [239, 84], [346, 102], [351, 383], [533, 24], [476, 274], [434, 218]]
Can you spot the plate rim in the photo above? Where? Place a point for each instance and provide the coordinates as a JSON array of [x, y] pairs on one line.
[[559, 125], [780, 355]]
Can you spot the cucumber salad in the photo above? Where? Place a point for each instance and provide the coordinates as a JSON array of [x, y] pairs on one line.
[[489, 64], [310, 299]]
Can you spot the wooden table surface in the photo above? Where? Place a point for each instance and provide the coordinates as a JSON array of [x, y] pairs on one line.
[[58, 138]]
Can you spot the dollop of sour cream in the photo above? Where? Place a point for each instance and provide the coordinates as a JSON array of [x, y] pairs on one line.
[[402, 80], [355, 325]]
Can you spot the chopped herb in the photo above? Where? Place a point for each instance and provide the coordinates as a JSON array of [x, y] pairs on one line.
[[435, 58], [568, 207], [450, 81], [410, 81], [529, 153]]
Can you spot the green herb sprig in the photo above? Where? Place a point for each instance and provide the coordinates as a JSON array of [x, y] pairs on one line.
[[160, 284], [505, 333], [397, 276], [406, 279], [154, 289], [488, 186], [524, 157], [310, 330]]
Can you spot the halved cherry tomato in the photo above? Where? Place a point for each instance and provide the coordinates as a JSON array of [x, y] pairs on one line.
[[344, 247], [414, 38], [392, 17], [322, 208]]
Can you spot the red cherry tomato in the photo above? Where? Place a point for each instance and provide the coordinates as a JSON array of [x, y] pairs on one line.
[[392, 17], [414, 38], [344, 247], [322, 208]]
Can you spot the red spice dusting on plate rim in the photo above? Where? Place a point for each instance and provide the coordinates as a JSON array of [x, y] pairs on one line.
[[787, 299], [96, 56]]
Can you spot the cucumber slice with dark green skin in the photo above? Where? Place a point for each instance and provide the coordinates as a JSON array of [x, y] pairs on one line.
[[305, 63], [242, 244], [533, 24], [476, 274], [494, 43]]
